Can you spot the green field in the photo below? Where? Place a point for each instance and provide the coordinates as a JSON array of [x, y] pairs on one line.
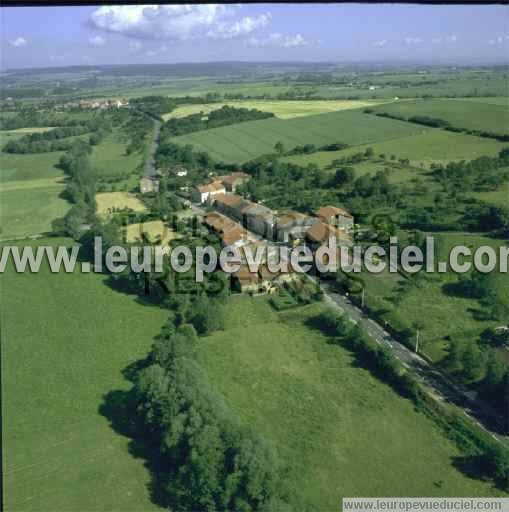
[[340, 430], [499, 197], [283, 109], [65, 340], [30, 189], [110, 159], [245, 141], [445, 315], [432, 145], [471, 115]]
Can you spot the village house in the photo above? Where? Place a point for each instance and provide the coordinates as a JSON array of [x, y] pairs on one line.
[[149, 184], [246, 281], [234, 180], [337, 217], [320, 233], [205, 193], [292, 227], [229, 204], [261, 281], [259, 219], [230, 232]]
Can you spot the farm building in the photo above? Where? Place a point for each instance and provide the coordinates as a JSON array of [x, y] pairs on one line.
[[234, 180], [262, 281], [292, 227], [320, 233], [335, 216], [205, 193], [149, 184], [230, 232]]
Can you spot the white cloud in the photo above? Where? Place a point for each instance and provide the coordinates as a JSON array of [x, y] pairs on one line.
[[412, 40], [278, 40], [18, 42], [242, 27], [452, 38], [498, 40], [176, 22], [150, 53], [436, 40], [97, 41], [380, 44], [135, 45]]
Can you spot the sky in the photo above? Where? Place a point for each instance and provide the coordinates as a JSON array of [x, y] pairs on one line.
[[94, 35]]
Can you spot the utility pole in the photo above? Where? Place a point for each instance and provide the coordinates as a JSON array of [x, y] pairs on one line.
[[362, 297], [417, 342]]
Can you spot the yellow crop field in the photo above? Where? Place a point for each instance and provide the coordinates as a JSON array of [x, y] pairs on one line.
[[282, 109], [154, 231], [109, 202]]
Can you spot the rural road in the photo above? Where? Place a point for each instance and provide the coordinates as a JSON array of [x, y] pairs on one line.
[[150, 164], [435, 381]]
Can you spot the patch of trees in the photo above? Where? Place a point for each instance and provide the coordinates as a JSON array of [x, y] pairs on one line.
[[154, 106], [31, 117], [54, 140], [210, 461], [488, 458], [80, 189], [169, 154], [224, 116], [307, 149], [137, 127]]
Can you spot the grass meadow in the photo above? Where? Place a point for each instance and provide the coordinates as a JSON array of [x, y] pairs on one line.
[[107, 202], [245, 141], [340, 431], [65, 340], [30, 193], [443, 314], [472, 115], [431, 145]]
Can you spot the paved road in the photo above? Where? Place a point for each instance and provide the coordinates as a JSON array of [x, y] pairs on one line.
[[440, 385], [436, 382], [150, 164]]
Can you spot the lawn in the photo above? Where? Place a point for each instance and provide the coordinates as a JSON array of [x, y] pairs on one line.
[[245, 141], [287, 109], [471, 115], [108, 202], [430, 146], [65, 340], [340, 431]]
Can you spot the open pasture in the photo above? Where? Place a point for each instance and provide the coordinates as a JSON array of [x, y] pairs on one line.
[[17, 167], [470, 115], [245, 141], [431, 145], [65, 340], [340, 431]]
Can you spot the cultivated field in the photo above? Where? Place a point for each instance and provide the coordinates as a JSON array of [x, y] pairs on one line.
[[65, 340], [283, 109], [432, 145], [108, 202], [472, 115], [245, 141], [17, 167], [340, 430], [155, 230]]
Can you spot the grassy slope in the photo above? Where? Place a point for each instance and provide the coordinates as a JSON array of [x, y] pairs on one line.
[[341, 431], [462, 114], [245, 141], [445, 315], [57, 363], [433, 145]]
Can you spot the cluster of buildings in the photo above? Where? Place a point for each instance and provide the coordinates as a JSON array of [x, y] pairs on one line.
[[239, 222], [96, 104]]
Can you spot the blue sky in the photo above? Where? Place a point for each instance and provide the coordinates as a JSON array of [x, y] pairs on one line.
[[57, 36]]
